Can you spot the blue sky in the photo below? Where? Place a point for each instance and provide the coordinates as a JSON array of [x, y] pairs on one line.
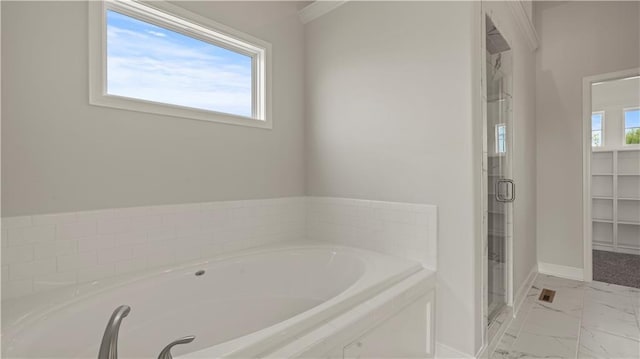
[[632, 119], [596, 121], [152, 63]]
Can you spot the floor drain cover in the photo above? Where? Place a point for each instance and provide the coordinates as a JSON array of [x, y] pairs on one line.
[[547, 295]]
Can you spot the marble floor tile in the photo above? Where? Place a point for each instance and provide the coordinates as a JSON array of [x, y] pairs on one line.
[[530, 345], [616, 317], [597, 344], [611, 288], [585, 320], [569, 296], [511, 334], [545, 321], [558, 283]]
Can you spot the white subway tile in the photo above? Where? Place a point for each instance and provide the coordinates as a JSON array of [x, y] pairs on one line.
[[96, 272], [55, 248], [146, 223], [115, 241], [129, 238], [97, 242], [28, 270], [55, 218], [177, 208], [130, 212], [28, 235], [19, 254], [116, 254], [16, 222], [216, 218], [162, 233], [76, 261], [75, 230], [96, 215], [114, 225]]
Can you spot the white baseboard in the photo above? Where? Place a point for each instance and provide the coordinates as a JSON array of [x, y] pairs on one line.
[[561, 271], [446, 352], [608, 248], [521, 294]]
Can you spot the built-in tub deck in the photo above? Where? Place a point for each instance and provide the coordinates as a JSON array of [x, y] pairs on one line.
[[245, 303]]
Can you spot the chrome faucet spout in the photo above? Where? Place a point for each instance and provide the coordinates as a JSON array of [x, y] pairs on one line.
[[166, 352], [109, 345]]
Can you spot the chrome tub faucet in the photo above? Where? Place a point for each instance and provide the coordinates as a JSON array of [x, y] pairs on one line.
[[109, 345]]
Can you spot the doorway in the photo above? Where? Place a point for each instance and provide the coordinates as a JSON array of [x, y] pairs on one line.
[[611, 149]]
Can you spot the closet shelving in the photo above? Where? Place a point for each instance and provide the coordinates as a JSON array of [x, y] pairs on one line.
[[615, 196]]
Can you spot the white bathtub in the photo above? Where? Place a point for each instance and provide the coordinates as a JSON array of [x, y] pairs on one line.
[[245, 304]]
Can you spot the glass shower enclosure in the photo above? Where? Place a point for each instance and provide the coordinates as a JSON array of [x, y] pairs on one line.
[[500, 188]]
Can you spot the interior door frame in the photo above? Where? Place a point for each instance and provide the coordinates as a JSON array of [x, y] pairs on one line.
[[586, 162]]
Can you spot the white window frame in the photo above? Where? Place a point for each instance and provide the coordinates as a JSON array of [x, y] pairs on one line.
[[177, 19], [624, 128], [497, 136], [603, 144]]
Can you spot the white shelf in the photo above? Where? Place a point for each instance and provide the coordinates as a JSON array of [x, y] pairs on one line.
[[602, 162], [629, 186], [602, 232], [629, 161], [602, 220], [615, 196], [628, 235], [628, 211], [602, 186], [628, 223]]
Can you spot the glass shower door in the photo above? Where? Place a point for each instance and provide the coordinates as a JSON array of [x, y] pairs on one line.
[[500, 187]]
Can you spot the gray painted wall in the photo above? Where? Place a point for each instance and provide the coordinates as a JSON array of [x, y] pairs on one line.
[[61, 154], [578, 39], [389, 118]]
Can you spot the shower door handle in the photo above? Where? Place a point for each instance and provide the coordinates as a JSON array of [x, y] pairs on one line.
[[511, 189]]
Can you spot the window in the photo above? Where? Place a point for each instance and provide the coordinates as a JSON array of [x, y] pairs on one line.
[[632, 127], [162, 59], [597, 129], [501, 139]]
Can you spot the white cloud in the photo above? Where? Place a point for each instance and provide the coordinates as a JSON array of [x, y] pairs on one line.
[[157, 33], [158, 69]]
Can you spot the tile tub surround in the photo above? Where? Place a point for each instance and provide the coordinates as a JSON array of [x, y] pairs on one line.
[[586, 320], [48, 251], [43, 252], [400, 229]]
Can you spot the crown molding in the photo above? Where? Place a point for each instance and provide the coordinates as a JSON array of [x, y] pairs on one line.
[[317, 9], [524, 23]]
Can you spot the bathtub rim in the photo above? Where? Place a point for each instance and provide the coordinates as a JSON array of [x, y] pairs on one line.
[[36, 305]]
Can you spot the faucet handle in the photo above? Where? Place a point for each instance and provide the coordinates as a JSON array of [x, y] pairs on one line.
[[166, 352]]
